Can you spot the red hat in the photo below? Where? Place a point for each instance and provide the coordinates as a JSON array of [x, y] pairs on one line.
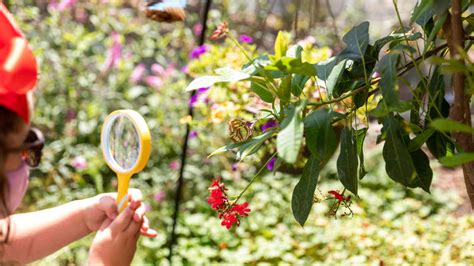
[[18, 68]]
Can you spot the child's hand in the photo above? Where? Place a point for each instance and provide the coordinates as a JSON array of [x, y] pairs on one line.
[[104, 206], [116, 240]]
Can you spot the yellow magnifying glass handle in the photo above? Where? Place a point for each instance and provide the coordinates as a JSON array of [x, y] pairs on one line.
[[122, 198]]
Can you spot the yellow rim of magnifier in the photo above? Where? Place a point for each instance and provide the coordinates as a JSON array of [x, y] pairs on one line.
[[143, 155]]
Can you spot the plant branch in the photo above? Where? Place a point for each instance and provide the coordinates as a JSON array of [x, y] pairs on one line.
[[402, 70], [460, 110], [253, 179]]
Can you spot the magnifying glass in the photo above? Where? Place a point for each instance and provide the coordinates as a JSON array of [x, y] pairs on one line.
[[126, 146]]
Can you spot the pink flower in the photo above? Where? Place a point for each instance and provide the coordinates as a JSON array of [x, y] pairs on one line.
[[157, 69], [245, 38], [185, 69], [137, 73], [79, 162], [61, 6], [197, 29], [174, 165], [115, 52], [154, 81], [160, 196]]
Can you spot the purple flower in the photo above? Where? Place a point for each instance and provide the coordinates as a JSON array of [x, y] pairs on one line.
[[193, 134], [154, 81], [115, 52], [235, 167], [159, 196], [271, 164], [137, 73], [245, 38], [198, 96], [269, 124], [71, 114], [198, 51], [174, 165], [376, 75], [79, 162]]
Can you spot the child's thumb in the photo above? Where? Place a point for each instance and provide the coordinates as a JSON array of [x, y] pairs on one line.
[[109, 206]]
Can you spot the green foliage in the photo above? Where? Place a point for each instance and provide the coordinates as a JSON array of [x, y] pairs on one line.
[[303, 194], [348, 162]]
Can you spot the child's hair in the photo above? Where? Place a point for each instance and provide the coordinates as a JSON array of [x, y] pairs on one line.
[[10, 123]]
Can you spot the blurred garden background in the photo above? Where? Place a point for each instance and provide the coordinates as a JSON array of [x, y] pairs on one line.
[[101, 55]]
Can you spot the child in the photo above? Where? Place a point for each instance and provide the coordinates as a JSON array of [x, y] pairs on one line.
[[29, 236]]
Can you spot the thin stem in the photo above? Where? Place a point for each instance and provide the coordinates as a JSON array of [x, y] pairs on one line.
[[253, 179]]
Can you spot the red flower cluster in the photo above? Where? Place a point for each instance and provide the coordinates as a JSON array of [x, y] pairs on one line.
[[221, 31], [229, 213], [338, 196]]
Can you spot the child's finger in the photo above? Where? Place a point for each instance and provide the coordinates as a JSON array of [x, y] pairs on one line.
[[109, 206], [105, 224], [145, 224], [149, 233], [135, 195], [133, 228], [123, 220], [139, 213]]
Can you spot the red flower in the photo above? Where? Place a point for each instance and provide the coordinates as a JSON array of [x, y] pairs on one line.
[[338, 195], [229, 219], [216, 199], [241, 209], [230, 214], [221, 31]]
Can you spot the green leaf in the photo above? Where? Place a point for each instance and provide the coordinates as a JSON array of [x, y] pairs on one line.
[[419, 140], [420, 8], [398, 163], [251, 146], [320, 136], [448, 125], [281, 44], [290, 137], [360, 137], [347, 162], [335, 76], [441, 6], [424, 174], [303, 194], [297, 84], [226, 74], [388, 83], [294, 65], [440, 145], [203, 82], [294, 51], [437, 27], [226, 148], [357, 40], [324, 68], [458, 159], [260, 88], [284, 90]]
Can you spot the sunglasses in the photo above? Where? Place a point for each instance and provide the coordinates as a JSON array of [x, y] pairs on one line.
[[32, 148]]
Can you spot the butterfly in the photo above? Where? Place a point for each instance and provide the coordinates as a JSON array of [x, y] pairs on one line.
[[166, 10], [240, 130]]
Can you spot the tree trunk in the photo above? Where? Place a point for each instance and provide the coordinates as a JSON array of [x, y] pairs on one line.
[[460, 110]]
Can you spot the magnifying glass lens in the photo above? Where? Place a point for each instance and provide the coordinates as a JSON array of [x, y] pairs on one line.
[[124, 143]]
